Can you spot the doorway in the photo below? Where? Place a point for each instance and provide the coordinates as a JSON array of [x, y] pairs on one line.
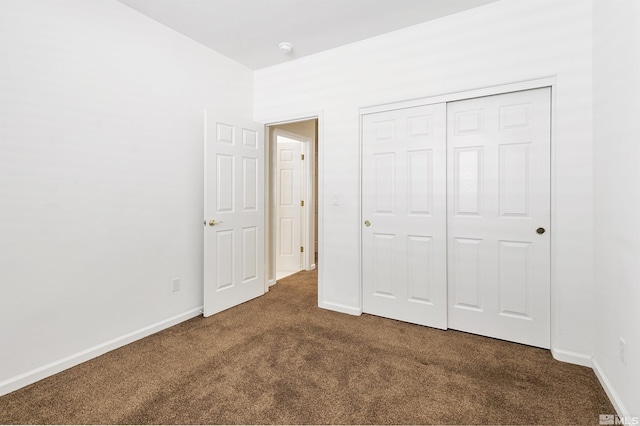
[[292, 217]]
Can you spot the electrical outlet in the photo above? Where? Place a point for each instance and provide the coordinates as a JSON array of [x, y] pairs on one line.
[[175, 284], [623, 349]]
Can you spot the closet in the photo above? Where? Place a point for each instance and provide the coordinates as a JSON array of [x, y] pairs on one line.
[[456, 215]]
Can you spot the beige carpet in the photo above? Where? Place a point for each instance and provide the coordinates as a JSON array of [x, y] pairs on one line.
[[280, 359]]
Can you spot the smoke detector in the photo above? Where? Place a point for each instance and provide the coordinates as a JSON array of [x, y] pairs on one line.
[[285, 47]]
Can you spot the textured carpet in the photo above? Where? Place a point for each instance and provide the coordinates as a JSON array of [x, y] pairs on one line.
[[280, 359]]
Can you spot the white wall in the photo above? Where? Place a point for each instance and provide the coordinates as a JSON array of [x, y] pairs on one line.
[[616, 50], [101, 177], [503, 42]]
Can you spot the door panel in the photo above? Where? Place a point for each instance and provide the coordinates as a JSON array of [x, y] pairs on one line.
[[224, 259], [499, 179], [234, 215], [467, 181], [225, 183], [514, 260], [383, 258], [420, 181], [249, 184], [249, 253], [419, 278], [404, 200], [514, 180], [465, 277]]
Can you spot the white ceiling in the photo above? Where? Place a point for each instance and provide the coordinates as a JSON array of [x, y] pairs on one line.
[[249, 31]]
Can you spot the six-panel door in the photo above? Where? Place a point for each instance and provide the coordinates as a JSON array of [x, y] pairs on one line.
[[234, 213], [498, 154], [404, 206], [289, 210]]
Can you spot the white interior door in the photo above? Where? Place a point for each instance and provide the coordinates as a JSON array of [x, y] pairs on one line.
[[288, 205], [234, 213], [499, 216], [404, 263]]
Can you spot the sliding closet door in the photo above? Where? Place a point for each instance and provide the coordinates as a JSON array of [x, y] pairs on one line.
[[498, 153], [404, 215]]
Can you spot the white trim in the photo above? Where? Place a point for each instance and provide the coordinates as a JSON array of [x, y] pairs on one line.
[[571, 357], [270, 167], [466, 94], [290, 135], [338, 307], [291, 118], [621, 411], [32, 376], [204, 176], [554, 290], [320, 198], [360, 223]]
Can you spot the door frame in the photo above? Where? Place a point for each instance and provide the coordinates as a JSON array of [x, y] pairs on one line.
[[269, 182], [478, 93]]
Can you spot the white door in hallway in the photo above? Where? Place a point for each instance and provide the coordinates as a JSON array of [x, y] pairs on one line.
[[404, 252], [288, 205], [234, 213], [498, 153]]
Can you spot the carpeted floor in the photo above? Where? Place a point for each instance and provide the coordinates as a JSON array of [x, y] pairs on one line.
[[280, 359]]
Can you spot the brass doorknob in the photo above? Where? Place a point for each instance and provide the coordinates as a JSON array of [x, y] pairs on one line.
[[212, 222], [540, 231], [367, 223]]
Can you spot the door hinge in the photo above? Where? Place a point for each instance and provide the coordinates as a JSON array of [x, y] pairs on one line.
[[302, 157], [301, 249], [301, 203]]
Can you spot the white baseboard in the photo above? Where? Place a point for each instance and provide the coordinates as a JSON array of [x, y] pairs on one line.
[[337, 307], [621, 411], [271, 282], [32, 376], [571, 357]]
